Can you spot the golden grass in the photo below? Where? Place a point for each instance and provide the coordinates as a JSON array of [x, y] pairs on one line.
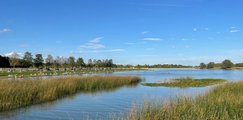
[[20, 93], [224, 102]]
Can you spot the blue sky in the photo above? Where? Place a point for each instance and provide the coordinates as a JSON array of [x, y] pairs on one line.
[[128, 31]]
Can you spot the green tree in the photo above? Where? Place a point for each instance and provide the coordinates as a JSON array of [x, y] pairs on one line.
[[226, 64], [80, 62], [71, 62], [210, 65], [203, 66], [27, 59], [49, 61], [90, 63], [110, 63], [38, 61]]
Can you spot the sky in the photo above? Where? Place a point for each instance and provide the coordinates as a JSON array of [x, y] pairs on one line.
[[128, 31]]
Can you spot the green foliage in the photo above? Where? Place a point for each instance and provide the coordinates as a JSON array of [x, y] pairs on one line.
[[80, 62], [20, 93], [71, 61], [239, 65], [27, 60], [38, 61], [210, 65], [49, 61], [203, 66], [226, 64], [187, 82]]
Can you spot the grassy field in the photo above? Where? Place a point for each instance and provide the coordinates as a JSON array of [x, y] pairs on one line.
[[187, 82], [224, 102], [20, 93]]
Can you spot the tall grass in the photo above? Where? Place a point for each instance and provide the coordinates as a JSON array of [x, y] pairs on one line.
[[187, 82], [20, 93], [224, 102]]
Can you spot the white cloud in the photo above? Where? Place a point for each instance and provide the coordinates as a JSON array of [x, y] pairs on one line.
[[206, 29], [184, 39], [103, 51], [145, 32], [96, 40], [195, 29], [152, 39], [116, 50], [5, 30], [129, 43], [14, 55], [93, 44], [234, 29]]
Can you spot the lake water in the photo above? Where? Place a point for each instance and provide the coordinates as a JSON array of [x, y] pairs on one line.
[[105, 104]]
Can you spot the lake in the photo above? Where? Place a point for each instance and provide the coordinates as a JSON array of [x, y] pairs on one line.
[[105, 104]]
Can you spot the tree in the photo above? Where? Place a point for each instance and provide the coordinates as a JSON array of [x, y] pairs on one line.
[[226, 64], [80, 62], [27, 60], [4, 62], [38, 61], [98, 63], [110, 63], [90, 63], [57, 63], [14, 60], [210, 65], [49, 61], [203, 66], [71, 62]]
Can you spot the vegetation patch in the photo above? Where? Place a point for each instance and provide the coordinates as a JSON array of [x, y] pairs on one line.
[[20, 93], [224, 102], [187, 82]]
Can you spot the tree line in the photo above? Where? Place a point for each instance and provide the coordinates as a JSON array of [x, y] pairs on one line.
[[226, 64], [39, 62]]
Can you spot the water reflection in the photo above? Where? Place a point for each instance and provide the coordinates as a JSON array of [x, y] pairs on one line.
[[104, 104]]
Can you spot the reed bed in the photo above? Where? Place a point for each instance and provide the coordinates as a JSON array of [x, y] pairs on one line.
[[186, 82], [224, 102], [20, 93]]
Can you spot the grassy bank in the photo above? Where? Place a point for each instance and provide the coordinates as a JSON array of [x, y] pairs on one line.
[[187, 82], [25, 72], [20, 93], [224, 102]]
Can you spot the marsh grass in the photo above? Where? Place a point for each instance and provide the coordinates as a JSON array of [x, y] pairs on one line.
[[186, 82], [224, 102], [20, 93]]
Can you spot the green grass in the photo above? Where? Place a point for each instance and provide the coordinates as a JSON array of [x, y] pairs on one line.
[[225, 102], [186, 82], [20, 93]]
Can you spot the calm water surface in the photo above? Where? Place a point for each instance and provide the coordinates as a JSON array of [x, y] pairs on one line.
[[105, 104]]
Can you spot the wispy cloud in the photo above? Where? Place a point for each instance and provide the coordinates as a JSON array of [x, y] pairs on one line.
[[5, 30], [93, 44], [145, 32], [102, 51], [129, 43], [234, 30], [152, 39], [195, 29]]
